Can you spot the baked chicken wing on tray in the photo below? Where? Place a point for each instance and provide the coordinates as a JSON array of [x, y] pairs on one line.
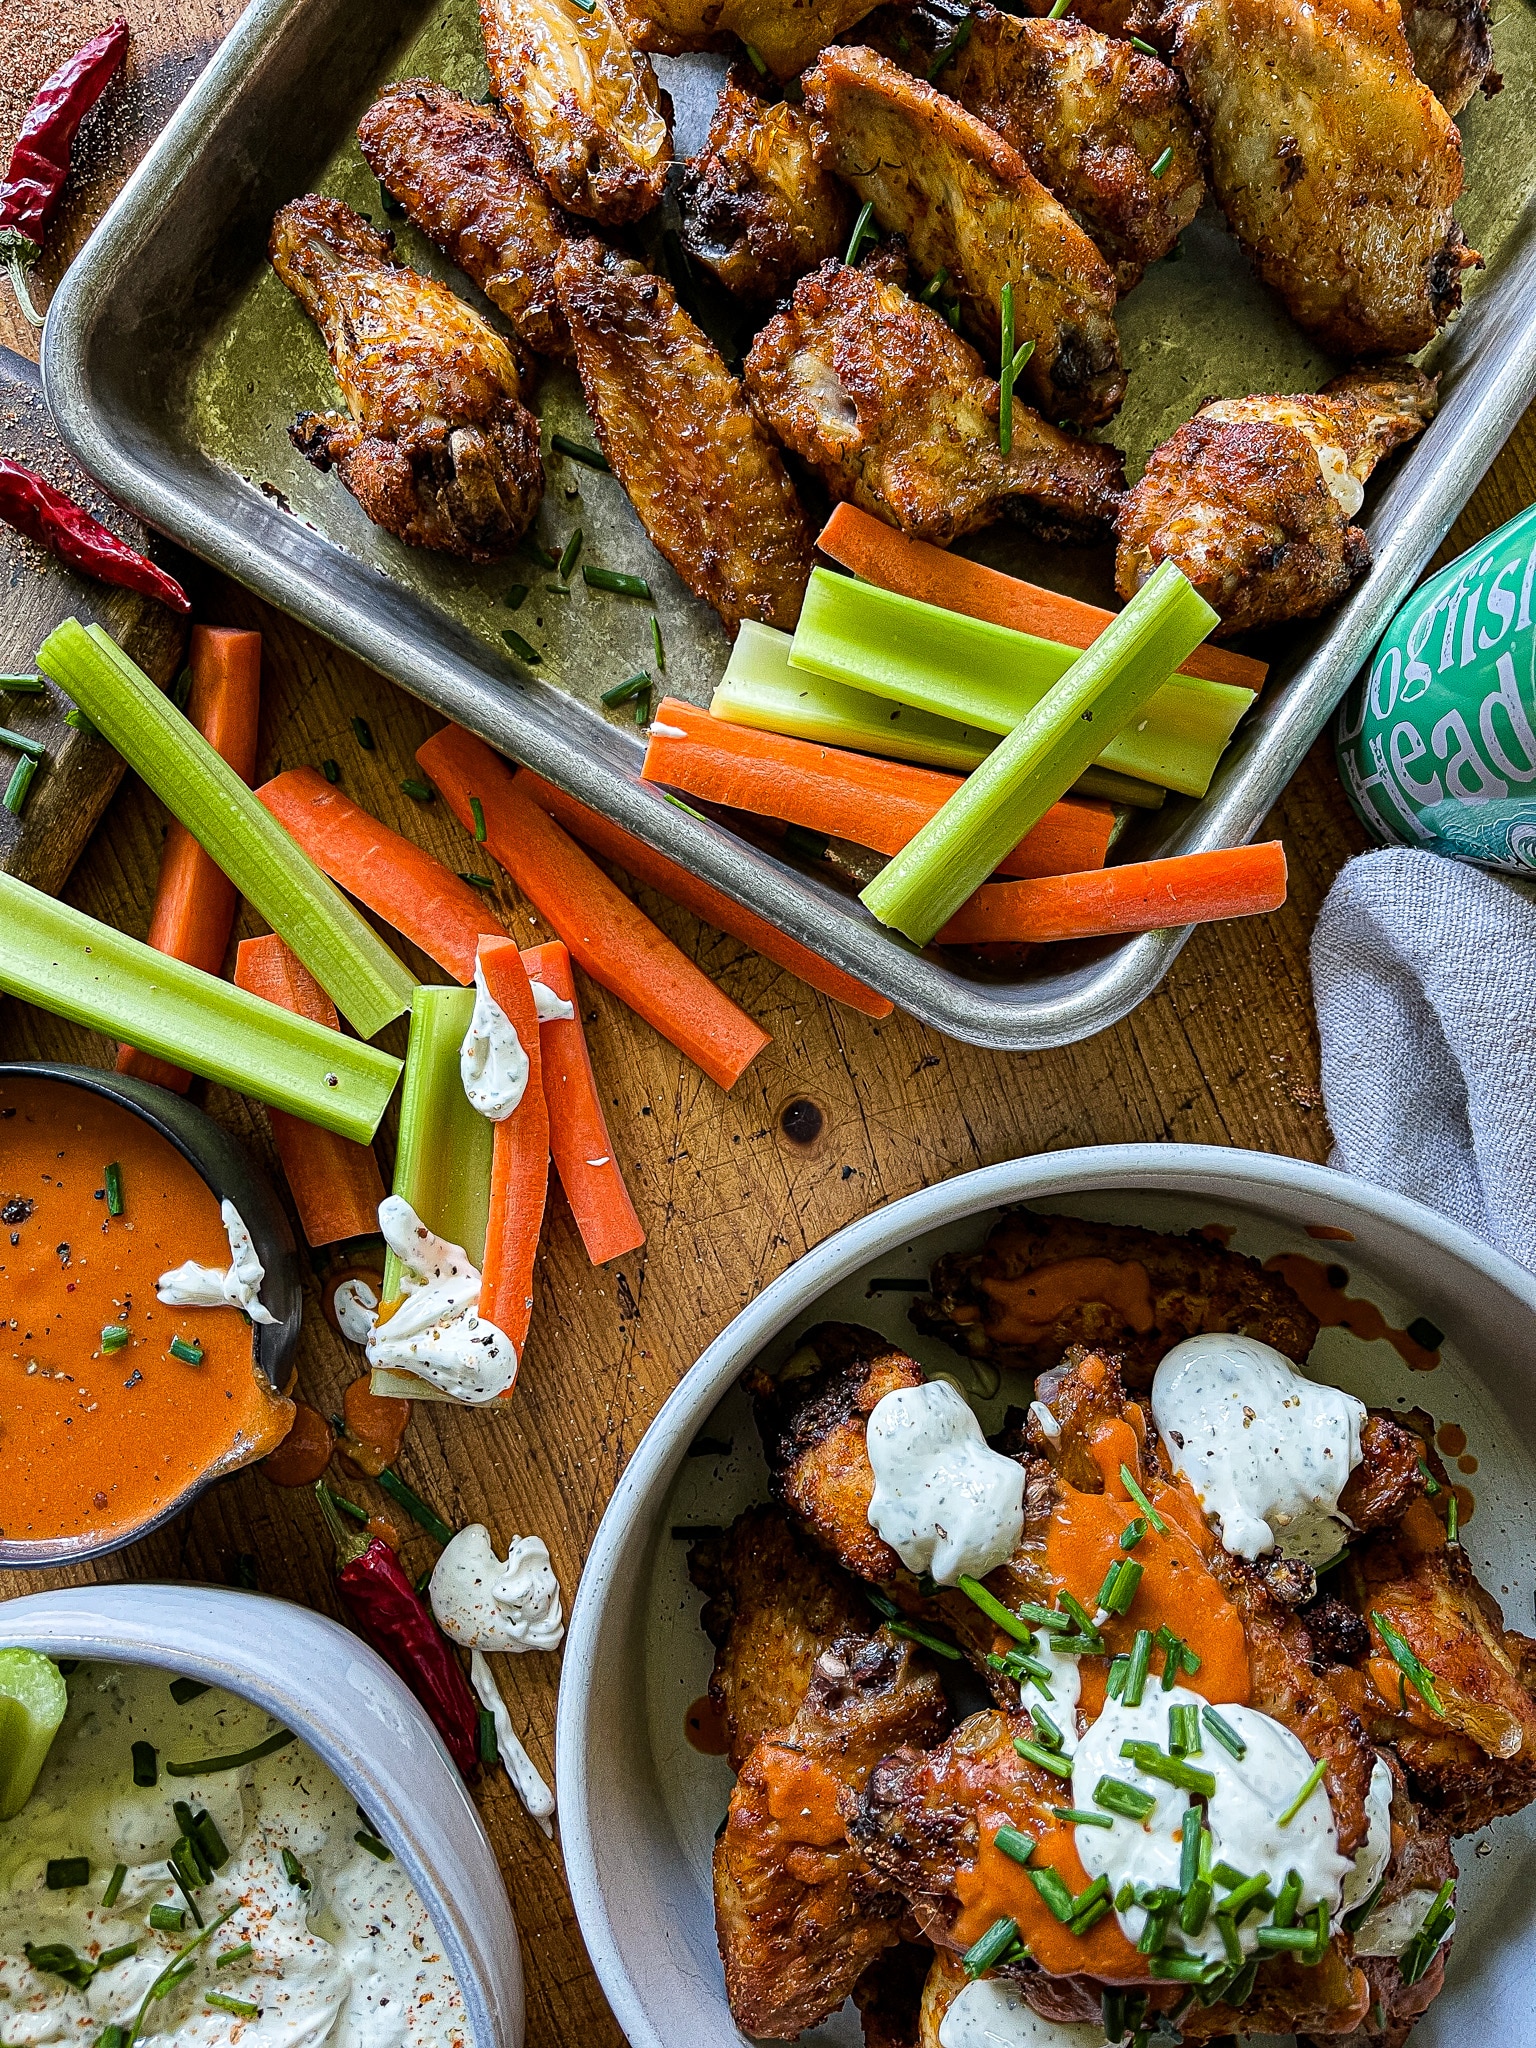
[[786, 36], [436, 444]]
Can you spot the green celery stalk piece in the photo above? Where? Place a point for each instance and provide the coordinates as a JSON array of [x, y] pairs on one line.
[[959, 668], [33, 1698], [1015, 786], [340, 948], [74, 967]]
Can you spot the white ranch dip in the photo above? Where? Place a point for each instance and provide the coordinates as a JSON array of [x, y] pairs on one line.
[[994, 2013], [487, 1605], [348, 1957], [436, 1332], [944, 1500], [237, 1286], [493, 1066]]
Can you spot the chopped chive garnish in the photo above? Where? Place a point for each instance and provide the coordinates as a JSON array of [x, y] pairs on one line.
[[1242, 1897], [1437, 1924], [578, 451], [114, 1181], [1452, 1516], [951, 49], [1119, 1671], [1314, 1778], [120, 1954], [487, 1736], [617, 581], [330, 769], [1171, 1769], [1129, 1801], [146, 1761], [373, 1845], [1146, 49], [65, 1873], [21, 781], [1277, 1938], [862, 232], [621, 693], [419, 792], [991, 1948], [1080, 1817], [1053, 1889], [756, 58], [179, 1879], [1136, 1670], [1047, 1618], [226, 1956], [1088, 1916], [22, 744], [206, 1766], [569, 555], [1195, 1907], [1060, 10], [22, 685], [934, 286], [935, 1644], [114, 1884], [1133, 1532], [515, 597], [114, 1336], [206, 1834], [58, 1959], [1418, 1674], [1184, 1731], [1047, 1759], [362, 734], [242, 2008], [657, 644], [1288, 1899], [1163, 162], [1129, 1481], [1190, 1834], [1155, 1932], [1127, 1577], [77, 721], [1431, 1483], [389, 1481], [477, 812], [476, 881], [348, 1507], [167, 1919], [521, 648], [1223, 1732], [1074, 1607], [189, 1354], [1015, 1843], [293, 1870]]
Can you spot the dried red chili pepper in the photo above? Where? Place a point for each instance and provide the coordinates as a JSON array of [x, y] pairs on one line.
[[32, 505], [29, 195], [391, 1615]]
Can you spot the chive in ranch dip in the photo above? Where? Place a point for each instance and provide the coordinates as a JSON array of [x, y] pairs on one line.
[[1437, 741], [312, 1933]]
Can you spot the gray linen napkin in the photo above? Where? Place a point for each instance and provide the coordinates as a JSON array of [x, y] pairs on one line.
[[1424, 977]]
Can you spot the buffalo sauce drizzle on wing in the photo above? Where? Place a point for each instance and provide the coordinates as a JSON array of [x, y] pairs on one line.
[[802, 1796], [1031, 1305]]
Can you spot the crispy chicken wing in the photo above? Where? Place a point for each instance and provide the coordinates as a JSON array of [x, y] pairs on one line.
[[799, 1915], [1336, 167], [774, 1605], [895, 412], [786, 34], [596, 125], [1253, 497], [439, 448], [463, 178], [1043, 1283], [1452, 45], [758, 210], [1090, 116], [968, 204], [707, 482]]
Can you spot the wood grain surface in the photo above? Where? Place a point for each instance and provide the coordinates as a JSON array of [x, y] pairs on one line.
[[1224, 1053]]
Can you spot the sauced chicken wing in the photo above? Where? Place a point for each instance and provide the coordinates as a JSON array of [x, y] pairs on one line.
[[1043, 1283], [758, 210], [895, 412], [1253, 498], [463, 178], [968, 204], [1336, 167], [774, 1605], [587, 107], [707, 482], [1452, 45], [1089, 114], [439, 448], [799, 1915], [786, 34]]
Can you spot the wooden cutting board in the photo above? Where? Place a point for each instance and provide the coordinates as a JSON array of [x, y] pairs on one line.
[[75, 782]]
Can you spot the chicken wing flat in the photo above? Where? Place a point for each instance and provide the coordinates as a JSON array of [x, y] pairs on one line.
[[786, 34], [968, 204], [708, 484], [775, 1604], [758, 210], [1336, 167], [799, 1915], [1089, 114], [464, 179], [1041, 1284], [1253, 498], [587, 108], [438, 448], [1452, 45], [897, 413]]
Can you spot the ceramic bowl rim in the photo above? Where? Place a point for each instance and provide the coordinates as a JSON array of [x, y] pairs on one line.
[[625, 1528]]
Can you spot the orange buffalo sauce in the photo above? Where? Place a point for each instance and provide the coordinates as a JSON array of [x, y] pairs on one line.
[[1033, 1303], [802, 1796], [995, 1886], [93, 1442]]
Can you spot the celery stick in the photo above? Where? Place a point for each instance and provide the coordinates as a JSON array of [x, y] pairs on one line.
[[339, 947], [33, 1699], [443, 1161], [956, 667], [68, 964], [1016, 785]]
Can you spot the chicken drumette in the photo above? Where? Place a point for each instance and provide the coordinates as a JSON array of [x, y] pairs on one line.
[[1253, 498], [895, 412], [785, 37], [439, 447]]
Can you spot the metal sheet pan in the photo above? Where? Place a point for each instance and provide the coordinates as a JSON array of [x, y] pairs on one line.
[[174, 363]]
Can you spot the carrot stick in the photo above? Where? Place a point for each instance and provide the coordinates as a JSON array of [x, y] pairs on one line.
[[879, 554], [707, 903], [194, 900], [402, 883], [519, 1157], [578, 1130], [611, 938], [876, 803], [335, 1183], [1143, 896]]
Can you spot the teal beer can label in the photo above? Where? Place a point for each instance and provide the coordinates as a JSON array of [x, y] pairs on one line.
[[1437, 741]]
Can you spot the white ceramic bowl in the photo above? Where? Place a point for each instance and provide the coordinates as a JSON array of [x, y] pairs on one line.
[[320, 1680], [640, 1807]]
